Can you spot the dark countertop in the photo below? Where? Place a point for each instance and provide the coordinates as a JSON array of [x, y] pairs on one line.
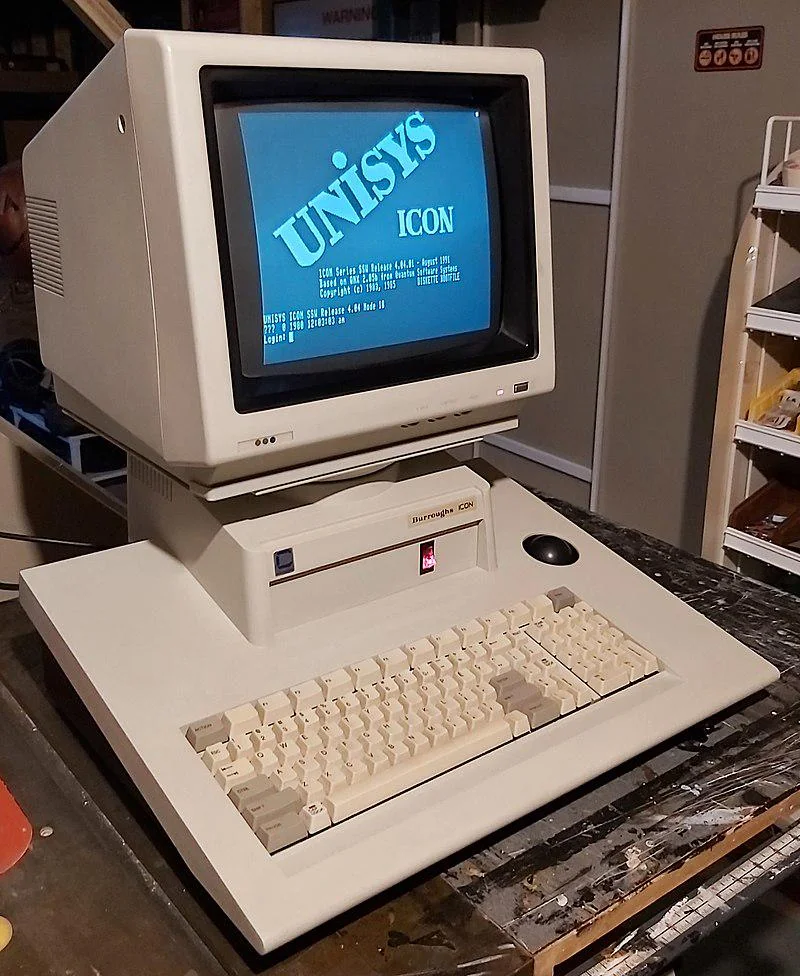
[[105, 894]]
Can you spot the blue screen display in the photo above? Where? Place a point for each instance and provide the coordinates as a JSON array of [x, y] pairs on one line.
[[372, 226]]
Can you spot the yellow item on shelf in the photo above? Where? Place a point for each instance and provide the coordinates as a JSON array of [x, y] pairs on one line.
[[6, 932], [768, 402]]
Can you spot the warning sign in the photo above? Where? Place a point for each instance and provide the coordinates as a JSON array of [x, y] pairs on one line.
[[729, 49]]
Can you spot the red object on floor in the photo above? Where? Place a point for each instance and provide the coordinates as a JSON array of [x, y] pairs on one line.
[[15, 831]]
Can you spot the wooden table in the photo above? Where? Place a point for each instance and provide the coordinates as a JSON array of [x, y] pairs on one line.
[[618, 877]]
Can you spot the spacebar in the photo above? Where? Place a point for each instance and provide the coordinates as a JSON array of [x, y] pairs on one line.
[[353, 799]]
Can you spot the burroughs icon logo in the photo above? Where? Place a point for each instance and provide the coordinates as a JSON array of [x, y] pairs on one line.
[[446, 511], [358, 191]]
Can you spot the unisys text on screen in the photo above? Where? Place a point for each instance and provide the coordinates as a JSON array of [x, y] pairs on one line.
[[372, 226]]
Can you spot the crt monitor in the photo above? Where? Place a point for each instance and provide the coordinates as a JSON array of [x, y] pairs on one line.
[[252, 254]]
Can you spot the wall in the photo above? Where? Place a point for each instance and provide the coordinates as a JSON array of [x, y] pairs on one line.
[[579, 40]]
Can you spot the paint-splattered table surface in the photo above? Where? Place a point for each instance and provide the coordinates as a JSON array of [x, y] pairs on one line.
[[105, 894]]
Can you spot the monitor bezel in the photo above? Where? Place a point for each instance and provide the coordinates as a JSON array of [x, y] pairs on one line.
[[512, 336]]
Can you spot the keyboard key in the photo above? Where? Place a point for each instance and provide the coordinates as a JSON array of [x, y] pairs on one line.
[[471, 632], [392, 709], [494, 624], [424, 673], [516, 657], [206, 732], [445, 641], [540, 607], [355, 771], [348, 705], [456, 726], [365, 673], [412, 719], [546, 711], [417, 742], [608, 681], [308, 722], [388, 689], [430, 694], [308, 768], [500, 645], [247, 792], [406, 681], [315, 817], [650, 660], [234, 773], [392, 662], [305, 695], [373, 717], [311, 791], [352, 726], [286, 730], [331, 735], [240, 720], [443, 667], [561, 598], [284, 778], [263, 738], [376, 761], [368, 696], [332, 779], [287, 752], [501, 663], [392, 732], [274, 707], [216, 755], [240, 746], [336, 684], [435, 734], [264, 762], [329, 758], [309, 744], [567, 700], [518, 615], [328, 712], [271, 805], [281, 833], [350, 749], [518, 723]]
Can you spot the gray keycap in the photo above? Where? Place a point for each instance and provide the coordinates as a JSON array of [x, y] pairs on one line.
[[522, 698], [251, 790], [547, 710], [561, 598], [279, 833], [271, 806], [206, 732], [503, 683]]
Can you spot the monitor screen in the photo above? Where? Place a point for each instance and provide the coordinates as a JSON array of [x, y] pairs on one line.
[[374, 228], [372, 223]]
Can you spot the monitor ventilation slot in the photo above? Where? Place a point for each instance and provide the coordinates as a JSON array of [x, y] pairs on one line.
[[150, 476], [48, 273]]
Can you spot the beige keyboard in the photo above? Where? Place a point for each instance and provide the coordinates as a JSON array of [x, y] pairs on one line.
[[299, 760]]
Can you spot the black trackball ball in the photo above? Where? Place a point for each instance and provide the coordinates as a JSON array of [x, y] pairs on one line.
[[550, 549]]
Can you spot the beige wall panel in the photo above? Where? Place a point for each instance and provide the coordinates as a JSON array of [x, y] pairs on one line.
[[579, 40], [536, 476], [562, 422]]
